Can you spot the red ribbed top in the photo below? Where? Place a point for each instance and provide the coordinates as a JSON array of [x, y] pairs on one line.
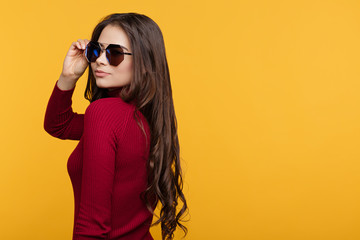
[[107, 168]]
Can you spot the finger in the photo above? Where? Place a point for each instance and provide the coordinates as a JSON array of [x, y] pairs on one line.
[[79, 42], [82, 43], [78, 45]]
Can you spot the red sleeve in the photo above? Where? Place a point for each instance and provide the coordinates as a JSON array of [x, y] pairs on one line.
[[104, 123], [60, 120]]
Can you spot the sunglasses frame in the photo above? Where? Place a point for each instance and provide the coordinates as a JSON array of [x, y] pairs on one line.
[[106, 51]]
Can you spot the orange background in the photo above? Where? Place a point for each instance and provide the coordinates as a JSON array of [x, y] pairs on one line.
[[266, 95]]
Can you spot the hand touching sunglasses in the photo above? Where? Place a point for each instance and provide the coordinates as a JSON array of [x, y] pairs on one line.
[[114, 53]]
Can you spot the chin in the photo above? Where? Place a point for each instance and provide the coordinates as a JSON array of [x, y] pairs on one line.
[[102, 83], [107, 83]]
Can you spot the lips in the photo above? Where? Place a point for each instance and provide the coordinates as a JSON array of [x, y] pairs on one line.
[[100, 73]]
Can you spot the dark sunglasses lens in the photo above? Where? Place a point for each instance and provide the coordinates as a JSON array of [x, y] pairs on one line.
[[115, 55], [92, 52]]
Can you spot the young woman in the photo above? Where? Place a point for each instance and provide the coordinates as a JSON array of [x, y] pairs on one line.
[[127, 159]]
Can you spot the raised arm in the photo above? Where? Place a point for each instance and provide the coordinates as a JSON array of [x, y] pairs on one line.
[[60, 120]]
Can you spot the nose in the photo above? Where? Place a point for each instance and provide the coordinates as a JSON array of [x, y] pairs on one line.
[[102, 58]]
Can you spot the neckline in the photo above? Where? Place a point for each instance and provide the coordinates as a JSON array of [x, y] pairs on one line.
[[116, 93]]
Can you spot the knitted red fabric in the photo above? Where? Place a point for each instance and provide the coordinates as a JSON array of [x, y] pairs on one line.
[[107, 168]]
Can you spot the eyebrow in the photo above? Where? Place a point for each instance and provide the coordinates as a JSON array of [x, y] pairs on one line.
[[101, 44]]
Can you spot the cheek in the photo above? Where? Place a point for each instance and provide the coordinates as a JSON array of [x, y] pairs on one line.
[[125, 68]]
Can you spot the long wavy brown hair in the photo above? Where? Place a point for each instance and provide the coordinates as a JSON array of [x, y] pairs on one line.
[[151, 88]]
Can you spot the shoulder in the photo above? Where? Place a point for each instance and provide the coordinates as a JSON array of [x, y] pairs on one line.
[[107, 110], [108, 105]]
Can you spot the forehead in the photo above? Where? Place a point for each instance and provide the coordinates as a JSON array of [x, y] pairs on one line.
[[114, 35]]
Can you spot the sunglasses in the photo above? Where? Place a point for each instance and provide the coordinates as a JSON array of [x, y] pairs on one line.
[[114, 53]]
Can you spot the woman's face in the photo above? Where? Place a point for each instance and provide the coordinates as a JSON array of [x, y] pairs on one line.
[[114, 76]]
